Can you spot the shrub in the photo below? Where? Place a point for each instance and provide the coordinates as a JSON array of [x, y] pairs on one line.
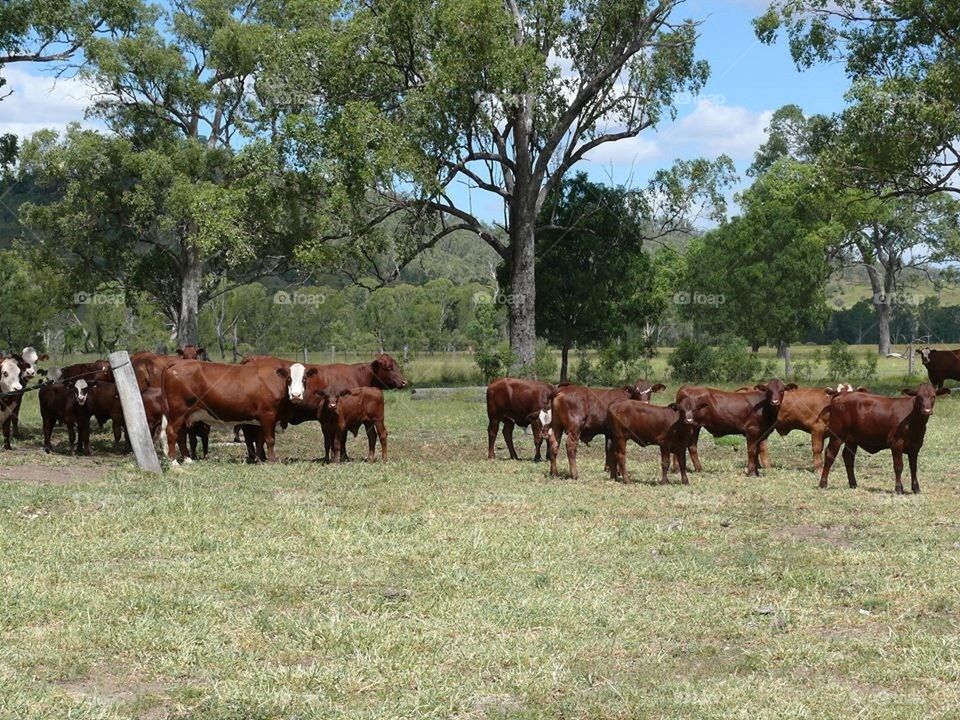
[[735, 362], [693, 360], [545, 363], [841, 363]]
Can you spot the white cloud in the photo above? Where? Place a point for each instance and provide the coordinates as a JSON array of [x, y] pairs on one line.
[[41, 101], [625, 152], [713, 128]]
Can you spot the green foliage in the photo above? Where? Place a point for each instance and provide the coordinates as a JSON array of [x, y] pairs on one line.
[[694, 360], [843, 365], [735, 362]]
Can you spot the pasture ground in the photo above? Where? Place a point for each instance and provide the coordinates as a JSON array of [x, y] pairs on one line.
[[440, 585]]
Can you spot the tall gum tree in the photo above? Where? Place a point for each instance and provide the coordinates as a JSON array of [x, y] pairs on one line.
[[423, 98]]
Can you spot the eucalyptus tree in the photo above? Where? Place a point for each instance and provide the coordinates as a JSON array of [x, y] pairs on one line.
[[426, 103], [187, 189]]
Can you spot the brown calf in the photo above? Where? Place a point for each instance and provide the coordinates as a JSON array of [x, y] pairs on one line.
[[343, 411], [942, 365], [581, 412], [875, 423], [752, 414], [647, 424], [513, 401]]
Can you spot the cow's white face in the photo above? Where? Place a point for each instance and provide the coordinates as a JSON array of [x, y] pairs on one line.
[[546, 417], [81, 389], [10, 376], [296, 388], [30, 356], [925, 355], [845, 387]]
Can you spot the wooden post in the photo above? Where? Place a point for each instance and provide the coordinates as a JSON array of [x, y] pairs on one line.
[[134, 415], [306, 358]]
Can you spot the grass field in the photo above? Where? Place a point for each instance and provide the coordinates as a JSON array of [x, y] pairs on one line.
[[440, 585]]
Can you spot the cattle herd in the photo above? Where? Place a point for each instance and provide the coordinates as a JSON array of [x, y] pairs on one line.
[[185, 394]]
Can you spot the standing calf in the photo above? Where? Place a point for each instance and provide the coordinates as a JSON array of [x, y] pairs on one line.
[[878, 423], [647, 424], [344, 410]]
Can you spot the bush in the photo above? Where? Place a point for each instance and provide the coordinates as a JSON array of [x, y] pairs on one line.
[[693, 360], [735, 362], [841, 363], [545, 364], [492, 361]]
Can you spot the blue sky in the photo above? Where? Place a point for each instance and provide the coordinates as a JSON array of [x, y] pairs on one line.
[[748, 81]]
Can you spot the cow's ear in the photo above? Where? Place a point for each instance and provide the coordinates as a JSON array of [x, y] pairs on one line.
[[861, 388], [790, 386], [180, 352], [631, 389], [375, 363], [674, 406], [312, 372], [282, 372], [659, 387], [344, 393], [761, 386], [943, 391], [909, 391], [43, 357], [831, 392]]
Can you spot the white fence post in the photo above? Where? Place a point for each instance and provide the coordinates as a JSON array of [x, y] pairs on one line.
[[134, 416]]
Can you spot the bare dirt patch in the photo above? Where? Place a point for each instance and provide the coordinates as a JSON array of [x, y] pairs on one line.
[[111, 685], [78, 471]]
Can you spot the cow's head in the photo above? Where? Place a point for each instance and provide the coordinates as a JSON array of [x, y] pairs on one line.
[[192, 352], [330, 396], [10, 376], [775, 390], [925, 354], [689, 407], [387, 372], [81, 390], [642, 390], [296, 382], [545, 416], [925, 396], [31, 357]]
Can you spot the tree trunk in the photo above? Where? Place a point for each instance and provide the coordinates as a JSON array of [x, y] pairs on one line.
[[191, 275], [883, 325], [755, 347], [564, 360], [783, 350], [521, 300]]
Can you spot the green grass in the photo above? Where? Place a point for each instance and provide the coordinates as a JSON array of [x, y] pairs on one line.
[[440, 585]]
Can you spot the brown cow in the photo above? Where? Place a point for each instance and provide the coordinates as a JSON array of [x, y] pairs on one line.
[[103, 403], [513, 401], [647, 424], [27, 360], [98, 370], [875, 423], [382, 372], [344, 410], [153, 408], [149, 366], [11, 381], [581, 412], [942, 365], [752, 414], [802, 409], [62, 402], [215, 392]]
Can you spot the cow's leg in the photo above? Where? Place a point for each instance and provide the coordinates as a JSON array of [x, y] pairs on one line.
[[816, 440], [268, 432], [573, 440], [537, 427], [192, 434], [898, 468], [182, 443], [553, 449], [828, 459], [343, 446], [236, 433], [914, 483], [71, 436], [508, 426], [614, 467], [664, 464], [327, 444], [753, 453], [681, 459], [7, 426], [83, 437], [371, 441], [117, 432], [849, 460], [692, 448], [608, 461], [48, 424], [382, 434], [15, 422], [205, 438], [335, 449], [250, 433], [493, 428], [764, 457]]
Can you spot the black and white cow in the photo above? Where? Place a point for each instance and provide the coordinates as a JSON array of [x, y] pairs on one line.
[[63, 402], [10, 382], [27, 359]]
